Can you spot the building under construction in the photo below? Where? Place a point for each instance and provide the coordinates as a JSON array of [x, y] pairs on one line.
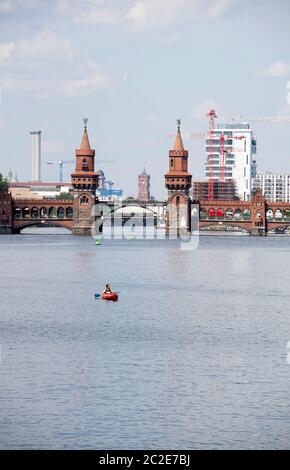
[[222, 190]]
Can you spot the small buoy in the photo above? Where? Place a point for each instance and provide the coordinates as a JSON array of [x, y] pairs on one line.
[[98, 242]]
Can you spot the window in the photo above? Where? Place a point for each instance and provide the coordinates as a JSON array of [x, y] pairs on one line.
[[85, 165], [84, 200]]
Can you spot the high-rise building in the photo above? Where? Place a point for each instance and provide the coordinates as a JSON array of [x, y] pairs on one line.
[[239, 146], [144, 186], [36, 155], [274, 186]]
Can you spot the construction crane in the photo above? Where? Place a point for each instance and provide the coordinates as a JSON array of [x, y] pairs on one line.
[[212, 116], [62, 162], [278, 119]]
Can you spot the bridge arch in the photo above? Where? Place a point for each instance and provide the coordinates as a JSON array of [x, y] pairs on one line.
[[247, 214], [224, 227], [229, 214], [34, 213], [279, 228], [25, 213], [52, 213], [60, 213], [278, 214], [48, 223], [17, 213], [69, 212], [43, 213], [238, 214]]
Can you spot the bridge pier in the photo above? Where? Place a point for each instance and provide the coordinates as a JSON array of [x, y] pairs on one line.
[[6, 230], [258, 232]]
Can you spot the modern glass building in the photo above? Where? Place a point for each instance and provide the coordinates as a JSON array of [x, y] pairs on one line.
[[275, 186], [240, 145]]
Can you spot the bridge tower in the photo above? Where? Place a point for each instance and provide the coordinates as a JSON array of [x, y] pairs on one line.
[[259, 209], [85, 182], [178, 183]]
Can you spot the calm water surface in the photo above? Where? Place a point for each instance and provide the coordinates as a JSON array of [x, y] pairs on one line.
[[192, 356]]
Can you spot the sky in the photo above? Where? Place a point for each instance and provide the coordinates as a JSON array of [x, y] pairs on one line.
[[133, 67]]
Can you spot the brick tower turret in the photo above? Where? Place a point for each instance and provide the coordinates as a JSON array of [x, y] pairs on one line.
[[178, 183], [85, 182], [144, 186]]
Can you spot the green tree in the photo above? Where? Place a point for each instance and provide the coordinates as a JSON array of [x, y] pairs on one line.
[[63, 196], [3, 184]]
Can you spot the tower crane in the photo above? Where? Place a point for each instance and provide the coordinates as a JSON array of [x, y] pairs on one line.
[[277, 119], [62, 162], [212, 116]]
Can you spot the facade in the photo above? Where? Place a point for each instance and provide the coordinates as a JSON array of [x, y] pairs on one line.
[[6, 212], [274, 186], [222, 190], [240, 147], [106, 190], [178, 184], [144, 186], [38, 190], [101, 179], [84, 182]]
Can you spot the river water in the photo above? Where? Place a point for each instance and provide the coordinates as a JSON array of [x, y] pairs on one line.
[[194, 354]]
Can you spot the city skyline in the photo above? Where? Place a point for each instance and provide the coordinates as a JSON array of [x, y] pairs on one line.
[[133, 70]]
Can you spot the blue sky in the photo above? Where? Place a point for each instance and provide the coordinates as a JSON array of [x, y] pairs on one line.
[[133, 67]]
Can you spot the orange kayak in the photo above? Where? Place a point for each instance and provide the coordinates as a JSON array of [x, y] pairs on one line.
[[110, 296]]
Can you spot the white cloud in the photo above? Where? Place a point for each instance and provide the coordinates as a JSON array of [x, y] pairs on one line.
[[5, 6], [49, 65], [137, 13], [45, 46], [6, 49], [13, 6], [90, 12], [278, 69], [200, 111], [156, 14], [143, 14], [97, 16]]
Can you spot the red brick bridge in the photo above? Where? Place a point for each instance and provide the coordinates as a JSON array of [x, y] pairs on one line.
[[256, 217], [18, 214]]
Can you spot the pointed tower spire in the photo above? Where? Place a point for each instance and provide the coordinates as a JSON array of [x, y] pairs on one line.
[[85, 144], [178, 177], [85, 149], [178, 144]]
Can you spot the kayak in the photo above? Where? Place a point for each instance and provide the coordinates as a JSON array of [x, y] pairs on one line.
[[110, 296]]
